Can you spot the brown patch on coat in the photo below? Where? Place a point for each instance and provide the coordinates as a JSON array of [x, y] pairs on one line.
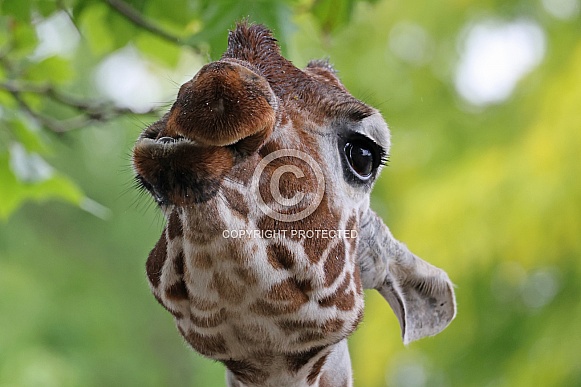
[[227, 289], [290, 326], [279, 256], [282, 298], [327, 326], [289, 184], [323, 218], [322, 331], [266, 308], [269, 147], [352, 226], [245, 371], [291, 290], [177, 291], [357, 279], [338, 297], [174, 226], [203, 228], [252, 335], [299, 360], [345, 301], [266, 223], [209, 321], [235, 254], [236, 202], [332, 326], [335, 262], [310, 337], [316, 369], [246, 275], [176, 314], [320, 219], [178, 263], [202, 260], [155, 261], [208, 345], [202, 304]]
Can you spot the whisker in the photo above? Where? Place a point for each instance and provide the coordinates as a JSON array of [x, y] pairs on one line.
[[236, 182], [220, 195]]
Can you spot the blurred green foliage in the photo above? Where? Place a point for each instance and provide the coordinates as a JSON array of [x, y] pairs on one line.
[[491, 194]]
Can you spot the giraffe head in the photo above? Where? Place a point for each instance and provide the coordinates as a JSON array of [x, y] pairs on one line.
[[264, 173]]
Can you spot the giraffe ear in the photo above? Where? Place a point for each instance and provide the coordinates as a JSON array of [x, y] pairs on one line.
[[421, 295], [324, 71]]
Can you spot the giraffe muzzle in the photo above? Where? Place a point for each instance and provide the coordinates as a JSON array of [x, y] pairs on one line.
[[225, 104], [225, 113]]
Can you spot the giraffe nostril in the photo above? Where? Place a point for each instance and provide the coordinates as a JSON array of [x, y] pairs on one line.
[[158, 197], [166, 140]]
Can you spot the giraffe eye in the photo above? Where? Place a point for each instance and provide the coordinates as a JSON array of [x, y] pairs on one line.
[[363, 158]]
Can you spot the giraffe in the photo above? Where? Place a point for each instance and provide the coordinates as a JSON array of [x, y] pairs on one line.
[[263, 172]]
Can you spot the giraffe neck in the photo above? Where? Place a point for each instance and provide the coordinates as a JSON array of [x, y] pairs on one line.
[[330, 366], [272, 313]]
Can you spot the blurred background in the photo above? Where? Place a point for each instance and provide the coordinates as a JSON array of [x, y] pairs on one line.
[[483, 99]]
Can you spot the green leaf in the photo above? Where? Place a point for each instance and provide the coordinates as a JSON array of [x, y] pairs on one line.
[[15, 192], [332, 14], [158, 49], [55, 70], [122, 31], [7, 102], [18, 9], [106, 29], [46, 7], [30, 138], [24, 39], [277, 15], [96, 30], [179, 13], [219, 17]]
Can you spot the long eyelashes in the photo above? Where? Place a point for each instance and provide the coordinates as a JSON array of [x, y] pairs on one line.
[[362, 156]]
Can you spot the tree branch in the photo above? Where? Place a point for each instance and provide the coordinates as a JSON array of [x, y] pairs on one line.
[[89, 111], [53, 125], [137, 18]]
